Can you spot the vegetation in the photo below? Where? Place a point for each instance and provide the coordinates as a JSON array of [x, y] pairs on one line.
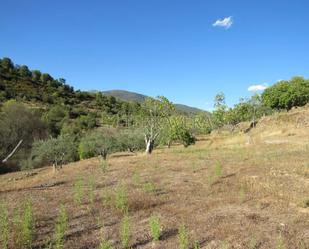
[[155, 229], [125, 232], [61, 228], [183, 237]]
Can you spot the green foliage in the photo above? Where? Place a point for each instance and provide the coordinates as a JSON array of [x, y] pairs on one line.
[[183, 237], [78, 190], [105, 244], [287, 94], [125, 232], [97, 143], [55, 118], [61, 228], [130, 140], [150, 187], [121, 199], [24, 225], [62, 149], [218, 114], [4, 226], [18, 123], [155, 229], [280, 243], [91, 186]]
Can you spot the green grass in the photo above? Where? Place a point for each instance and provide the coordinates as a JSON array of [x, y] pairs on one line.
[[4, 226], [125, 232], [24, 225], [61, 228], [155, 228], [149, 187], [183, 237], [78, 190], [121, 199]]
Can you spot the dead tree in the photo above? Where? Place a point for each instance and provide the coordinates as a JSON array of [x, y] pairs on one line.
[[13, 152]]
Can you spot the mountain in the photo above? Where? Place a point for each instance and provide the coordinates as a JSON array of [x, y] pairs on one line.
[[132, 96]]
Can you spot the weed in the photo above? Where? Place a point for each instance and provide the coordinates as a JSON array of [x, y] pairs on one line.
[[252, 243], [107, 199], [305, 203], [125, 231], [24, 225], [242, 194], [121, 199], [149, 187], [61, 228], [91, 185], [105, 244], [196, 245], [280, 243], [136, 178], [218, 170], [4, 226], [103, 164], [78, 190], [183, 237], [225, 245], [155, 229]]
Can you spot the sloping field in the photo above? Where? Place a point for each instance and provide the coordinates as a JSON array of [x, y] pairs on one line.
[[230, 191]]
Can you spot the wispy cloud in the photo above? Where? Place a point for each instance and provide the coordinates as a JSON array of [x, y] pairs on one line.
[[224, 23], [255, 88]]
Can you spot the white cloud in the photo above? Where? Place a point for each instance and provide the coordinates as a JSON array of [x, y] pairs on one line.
[[255, 88], [224, 23]]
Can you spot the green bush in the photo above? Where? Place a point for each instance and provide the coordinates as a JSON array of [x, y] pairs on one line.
[[130, 140], [61, 228], [97, 143], [60, 150]]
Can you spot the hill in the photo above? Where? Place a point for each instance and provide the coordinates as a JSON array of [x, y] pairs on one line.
[[132, 96], [237, 190]]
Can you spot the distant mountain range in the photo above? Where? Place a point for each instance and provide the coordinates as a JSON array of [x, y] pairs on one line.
[[132, 96]]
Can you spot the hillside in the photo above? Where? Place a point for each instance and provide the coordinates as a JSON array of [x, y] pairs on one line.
[[230, 190], [132, 96]]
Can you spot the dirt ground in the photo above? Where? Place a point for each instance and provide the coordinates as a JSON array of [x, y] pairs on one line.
[[230, 191]]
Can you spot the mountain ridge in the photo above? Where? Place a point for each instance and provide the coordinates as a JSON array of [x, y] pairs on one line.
[[140, 98]]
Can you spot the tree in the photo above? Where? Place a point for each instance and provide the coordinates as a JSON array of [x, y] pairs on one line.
[[18, 123], [155, 112], [55, 151], [55, 118], [97, 143], [220, 109]]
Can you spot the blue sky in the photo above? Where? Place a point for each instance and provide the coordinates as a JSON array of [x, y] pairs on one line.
[[160, 47]]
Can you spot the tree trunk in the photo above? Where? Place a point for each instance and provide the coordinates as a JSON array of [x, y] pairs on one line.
[[149, 146]]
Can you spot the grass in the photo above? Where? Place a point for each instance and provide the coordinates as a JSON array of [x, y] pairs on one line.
[[61, 228], [149, 187], [24, 225], [155, 228], [4, 226], [183, 237], [125, 232], [121, 199], [78, 190], [252, 196], [91, 187]]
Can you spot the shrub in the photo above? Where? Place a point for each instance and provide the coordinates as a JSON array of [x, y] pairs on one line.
[[54, 150], [97, 143], [105, 244], [61, 228], [155, 230], [130, 140]]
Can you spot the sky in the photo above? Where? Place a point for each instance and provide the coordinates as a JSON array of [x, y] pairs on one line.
[[186, 50]]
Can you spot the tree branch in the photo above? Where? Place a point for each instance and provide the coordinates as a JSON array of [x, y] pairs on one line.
[[12, 153]]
